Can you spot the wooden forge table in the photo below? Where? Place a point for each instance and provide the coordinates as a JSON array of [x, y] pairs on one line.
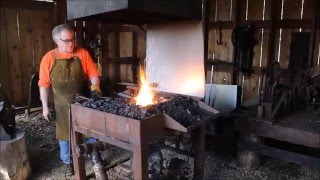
[[134, 135]]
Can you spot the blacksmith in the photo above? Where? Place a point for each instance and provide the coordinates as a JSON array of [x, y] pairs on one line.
[[67, 70]]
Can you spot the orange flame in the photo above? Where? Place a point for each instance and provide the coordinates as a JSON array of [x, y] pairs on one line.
[[145, 95]]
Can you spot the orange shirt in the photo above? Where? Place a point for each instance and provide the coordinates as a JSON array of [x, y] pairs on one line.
[[47, 61]]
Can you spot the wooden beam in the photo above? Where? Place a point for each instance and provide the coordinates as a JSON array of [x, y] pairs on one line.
[[229, 67], [105, 57], [219, 68], [315, 21], [237, 13], [285, 155], [282, 133], [117, 71], [61, 11], [5, 74], [125, 28], [124, 60], [218, 62], [78, 162], [270, 55], [206, 26], [134, 44], [198, 139], [13, 46], [224, 25], [267, 24], [294, 23]]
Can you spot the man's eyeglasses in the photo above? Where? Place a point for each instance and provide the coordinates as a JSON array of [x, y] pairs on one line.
[[67, 41]]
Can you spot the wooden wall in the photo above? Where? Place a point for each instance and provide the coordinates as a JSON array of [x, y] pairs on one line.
[[266, 15], [26, 28], [131, 43], [119, 41], [25, 37]]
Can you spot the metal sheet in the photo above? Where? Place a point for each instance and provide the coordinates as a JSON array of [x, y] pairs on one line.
[[81, 8], [134, 11], [174, 57], [223, 98]]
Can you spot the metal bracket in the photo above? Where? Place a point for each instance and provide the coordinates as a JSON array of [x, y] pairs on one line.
[[219, 42]]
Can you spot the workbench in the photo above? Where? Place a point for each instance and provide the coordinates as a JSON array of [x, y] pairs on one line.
[[300, 129]]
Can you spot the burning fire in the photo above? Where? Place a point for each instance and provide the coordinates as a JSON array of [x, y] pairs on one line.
[[145, 95]]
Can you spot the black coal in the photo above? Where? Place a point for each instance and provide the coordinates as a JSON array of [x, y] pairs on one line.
[[185, 110], [119, 106]]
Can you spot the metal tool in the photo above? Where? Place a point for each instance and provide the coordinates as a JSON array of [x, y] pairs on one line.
[[219, 42], [92, 150], [210, 91]]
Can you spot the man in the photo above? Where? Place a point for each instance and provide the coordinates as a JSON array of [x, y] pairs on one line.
[[67, 70]]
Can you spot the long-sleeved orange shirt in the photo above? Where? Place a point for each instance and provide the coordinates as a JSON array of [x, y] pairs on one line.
[[47, 61]]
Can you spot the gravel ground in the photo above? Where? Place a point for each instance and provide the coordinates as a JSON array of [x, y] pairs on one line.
[[43, 148], [43, 151], [221, 166]]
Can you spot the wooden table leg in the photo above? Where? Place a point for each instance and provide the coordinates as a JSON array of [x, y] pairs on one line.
[[199, 156], [140, 161], [78, 162]]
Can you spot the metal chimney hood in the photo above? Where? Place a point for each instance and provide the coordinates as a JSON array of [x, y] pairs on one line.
[[134, 11]]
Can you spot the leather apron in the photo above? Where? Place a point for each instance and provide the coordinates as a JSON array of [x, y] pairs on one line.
[[68, 79]]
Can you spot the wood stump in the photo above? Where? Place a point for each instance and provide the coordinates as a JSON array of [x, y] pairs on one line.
[[249, 159], [14, 162]]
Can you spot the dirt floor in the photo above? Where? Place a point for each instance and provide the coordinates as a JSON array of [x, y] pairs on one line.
[[43, 151]]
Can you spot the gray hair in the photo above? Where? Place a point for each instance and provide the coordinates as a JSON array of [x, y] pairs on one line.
[[58, 29]]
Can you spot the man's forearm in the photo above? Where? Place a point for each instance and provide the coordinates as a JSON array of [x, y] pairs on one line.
[[95, 80], [44, 96]]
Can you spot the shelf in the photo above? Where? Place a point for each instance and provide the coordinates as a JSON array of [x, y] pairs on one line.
[[218, 62], [124, 60], [285, 24]]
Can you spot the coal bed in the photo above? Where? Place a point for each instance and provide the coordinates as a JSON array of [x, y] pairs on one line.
[[184, 110]]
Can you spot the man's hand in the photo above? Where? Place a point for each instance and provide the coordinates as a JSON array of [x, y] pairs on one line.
[[44, 94], [95, 91], [46, 113]]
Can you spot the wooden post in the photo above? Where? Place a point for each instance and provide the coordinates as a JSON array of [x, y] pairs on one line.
[[315, 20], [206, 22], [105, 56], [237, 13], [78, 162], [135, 64], [117, 76], [199, 158], [270, 56], [140, 160], [61, 11]]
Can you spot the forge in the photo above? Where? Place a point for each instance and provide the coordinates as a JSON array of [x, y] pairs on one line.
[[184, 110], [120, 122]]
